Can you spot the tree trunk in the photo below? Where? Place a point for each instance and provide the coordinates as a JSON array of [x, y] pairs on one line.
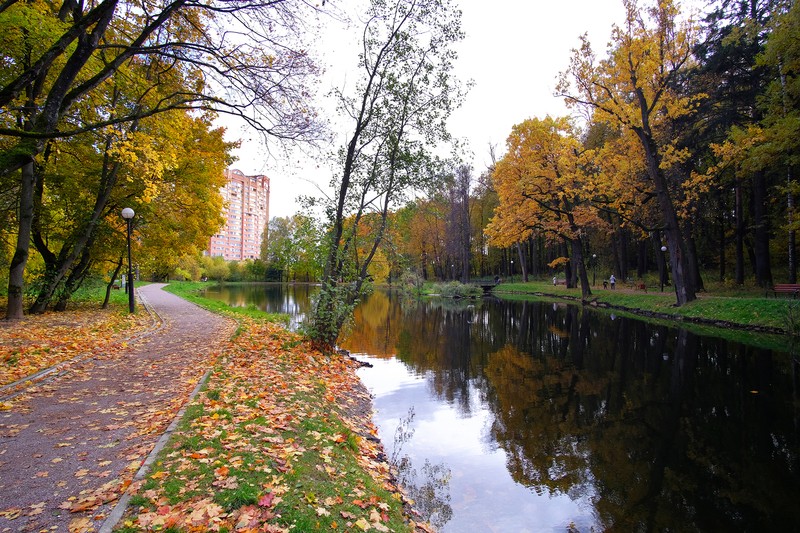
[[535, 253], [685, 290], [110, 285], [16, 274], [622, 248], [721, 251], [739, 213], [522, 263], [569, 277], [792, 233], [74, 280], [577, 255], [761, 231], [691, 257], [641, 258]]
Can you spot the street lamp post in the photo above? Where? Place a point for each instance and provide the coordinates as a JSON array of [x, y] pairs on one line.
[[594, 270], [662, 275], [512, 271], [128, 214]]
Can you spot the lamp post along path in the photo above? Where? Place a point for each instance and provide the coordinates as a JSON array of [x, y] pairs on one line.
[[128, 214]]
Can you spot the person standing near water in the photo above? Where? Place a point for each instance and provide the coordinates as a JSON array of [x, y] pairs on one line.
[[613, 281]]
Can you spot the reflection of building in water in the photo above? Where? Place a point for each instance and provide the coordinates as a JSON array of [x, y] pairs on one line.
[[246, 213]]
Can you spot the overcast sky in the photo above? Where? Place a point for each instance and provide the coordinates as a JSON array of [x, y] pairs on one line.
[[513, 52]]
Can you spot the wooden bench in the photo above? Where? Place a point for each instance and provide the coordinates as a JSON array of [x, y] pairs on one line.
[[786, 288]]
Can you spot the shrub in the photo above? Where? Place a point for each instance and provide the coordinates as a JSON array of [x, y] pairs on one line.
[[411, 282], [454, 289]]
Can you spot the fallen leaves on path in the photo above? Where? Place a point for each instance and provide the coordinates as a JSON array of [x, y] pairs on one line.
[[36, 343], [111, 408], [278, 441]]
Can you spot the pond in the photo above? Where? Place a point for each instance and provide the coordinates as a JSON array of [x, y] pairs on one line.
[[539, 416]]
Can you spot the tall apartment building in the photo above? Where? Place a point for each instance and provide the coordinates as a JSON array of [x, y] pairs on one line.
[[246, 213]]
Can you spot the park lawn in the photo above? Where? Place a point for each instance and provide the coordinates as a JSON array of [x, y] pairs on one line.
[[751, 309]]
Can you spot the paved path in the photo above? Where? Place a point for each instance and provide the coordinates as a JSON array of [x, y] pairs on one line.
[[71, 444]]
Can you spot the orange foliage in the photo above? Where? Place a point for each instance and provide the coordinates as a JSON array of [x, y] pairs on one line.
[[543, 184]]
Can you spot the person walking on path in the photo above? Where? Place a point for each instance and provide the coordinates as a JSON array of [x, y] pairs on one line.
[[71, 445]]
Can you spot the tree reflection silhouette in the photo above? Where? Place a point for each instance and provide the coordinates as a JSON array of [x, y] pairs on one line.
[[429, 488], [655, 426]]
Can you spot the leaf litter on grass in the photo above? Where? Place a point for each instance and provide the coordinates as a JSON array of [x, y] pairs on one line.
[[35, 343], [280, 440]]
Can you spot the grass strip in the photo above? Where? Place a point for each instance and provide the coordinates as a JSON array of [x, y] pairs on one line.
[[280, 440], [192, 292], [748, 309]]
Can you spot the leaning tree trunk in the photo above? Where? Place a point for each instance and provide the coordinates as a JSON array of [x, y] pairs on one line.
[[682, 278], [110, 285], [74, 280]]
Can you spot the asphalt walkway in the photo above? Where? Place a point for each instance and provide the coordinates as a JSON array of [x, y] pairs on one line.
[[72, 443]]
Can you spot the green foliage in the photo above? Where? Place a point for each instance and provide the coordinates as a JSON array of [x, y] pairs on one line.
[[412, 283], [293, 247], [399, 109], [215, 268], [333, 309]]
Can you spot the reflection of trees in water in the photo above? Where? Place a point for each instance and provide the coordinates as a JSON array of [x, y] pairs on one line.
[[430, 488], [658, 427]]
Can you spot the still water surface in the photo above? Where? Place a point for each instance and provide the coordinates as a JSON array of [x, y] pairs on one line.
[[532, 416]]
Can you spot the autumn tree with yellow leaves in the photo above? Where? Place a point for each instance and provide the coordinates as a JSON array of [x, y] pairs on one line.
[[545, 185], [637, 88], [72, 69]]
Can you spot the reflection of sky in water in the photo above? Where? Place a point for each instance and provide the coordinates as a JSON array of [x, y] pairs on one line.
[[484, 497]]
